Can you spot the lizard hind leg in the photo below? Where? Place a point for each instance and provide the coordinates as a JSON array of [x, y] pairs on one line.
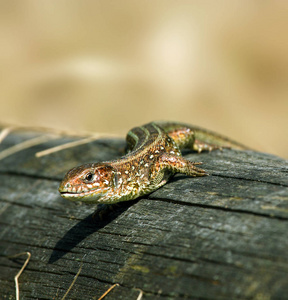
[[198, 139], [184, 137], [199, 146], [181, 165]]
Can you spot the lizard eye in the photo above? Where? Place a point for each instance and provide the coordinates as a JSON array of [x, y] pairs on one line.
[[89, 177]]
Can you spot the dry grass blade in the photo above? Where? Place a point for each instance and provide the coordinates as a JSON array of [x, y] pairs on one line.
[[140, 294], [73, 144], [108, 291], [4, 132], [74, 280], [24, 145], [21, 270]]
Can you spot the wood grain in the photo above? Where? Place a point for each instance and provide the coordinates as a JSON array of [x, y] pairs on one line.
[[218, 237]]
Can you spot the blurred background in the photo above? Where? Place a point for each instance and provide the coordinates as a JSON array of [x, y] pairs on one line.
[[107, 66]]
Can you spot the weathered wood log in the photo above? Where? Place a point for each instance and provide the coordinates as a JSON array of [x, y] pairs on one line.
[[224, 236]]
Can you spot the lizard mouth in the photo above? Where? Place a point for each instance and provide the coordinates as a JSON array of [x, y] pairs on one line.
[[85, 196], [71, 194], [67, 191], [74, 196]]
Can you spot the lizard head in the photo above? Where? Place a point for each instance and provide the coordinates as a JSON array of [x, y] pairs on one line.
[[87, 183]]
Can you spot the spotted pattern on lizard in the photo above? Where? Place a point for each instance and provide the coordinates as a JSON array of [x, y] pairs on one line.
[[153, 156]]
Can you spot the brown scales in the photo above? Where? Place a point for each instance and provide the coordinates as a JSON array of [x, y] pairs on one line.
[[153, 157]]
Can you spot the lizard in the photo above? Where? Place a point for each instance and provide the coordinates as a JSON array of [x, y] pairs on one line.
[[153, 157]]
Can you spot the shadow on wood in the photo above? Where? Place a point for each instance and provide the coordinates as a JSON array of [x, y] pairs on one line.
[[99, 219]]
